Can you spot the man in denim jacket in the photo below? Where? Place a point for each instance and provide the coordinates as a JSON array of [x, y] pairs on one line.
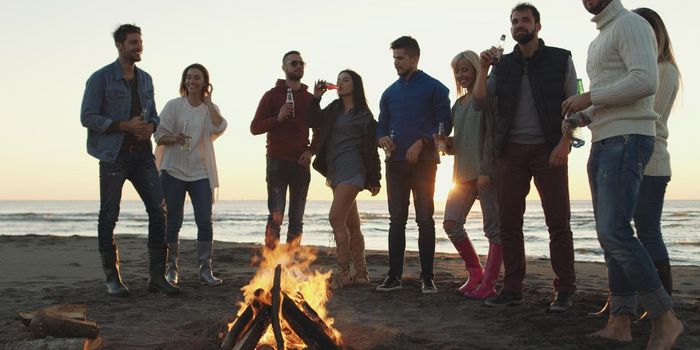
[[120, 114]]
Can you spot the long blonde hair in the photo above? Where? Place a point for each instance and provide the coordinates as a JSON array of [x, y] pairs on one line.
[[470, 57]]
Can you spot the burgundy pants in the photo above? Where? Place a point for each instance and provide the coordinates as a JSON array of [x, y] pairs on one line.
[[517, 166]]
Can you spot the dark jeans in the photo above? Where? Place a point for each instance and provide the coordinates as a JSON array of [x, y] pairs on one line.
[[519, 164], [139, 168], [200, 195], [403, 178], [647, 216], [283, 174]]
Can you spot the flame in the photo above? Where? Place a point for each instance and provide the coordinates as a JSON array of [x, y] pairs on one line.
[[298, 282]]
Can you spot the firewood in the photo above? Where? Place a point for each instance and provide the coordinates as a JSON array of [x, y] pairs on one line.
[[275, 310], [76, 311], [55, 344], [239, 325], [45, 323], [251, 337], [307, 329]]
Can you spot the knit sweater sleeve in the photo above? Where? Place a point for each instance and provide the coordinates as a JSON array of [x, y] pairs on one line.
[[668, 89], [635, 45]]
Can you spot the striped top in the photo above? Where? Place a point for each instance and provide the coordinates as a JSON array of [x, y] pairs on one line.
[[660, 162], [623, 71]]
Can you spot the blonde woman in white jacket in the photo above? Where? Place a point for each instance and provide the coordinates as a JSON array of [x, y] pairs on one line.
[[185, 157]]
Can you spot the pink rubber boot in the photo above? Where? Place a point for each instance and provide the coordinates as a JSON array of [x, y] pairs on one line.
[[487, 288], [471, 261]]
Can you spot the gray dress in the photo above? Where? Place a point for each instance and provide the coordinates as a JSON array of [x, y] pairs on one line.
[[343, 157]]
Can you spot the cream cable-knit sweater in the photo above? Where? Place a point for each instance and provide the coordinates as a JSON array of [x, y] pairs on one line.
[[660, 162], [622, 67]]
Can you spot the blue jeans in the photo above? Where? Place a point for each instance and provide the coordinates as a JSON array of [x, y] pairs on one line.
[[139, 168], [280, 175], [615, 170], [647, 216], [460, 202], [200, 195], [403, 178]]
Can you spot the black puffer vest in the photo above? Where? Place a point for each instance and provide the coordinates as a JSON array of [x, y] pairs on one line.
[[547, 75]]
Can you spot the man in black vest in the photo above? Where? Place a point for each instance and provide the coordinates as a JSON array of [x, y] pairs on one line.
[[530, 84]]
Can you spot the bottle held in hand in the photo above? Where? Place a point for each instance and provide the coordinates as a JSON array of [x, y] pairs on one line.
[[290, 100], [186, 131], [387, 150], [441, 140], [499, 46]]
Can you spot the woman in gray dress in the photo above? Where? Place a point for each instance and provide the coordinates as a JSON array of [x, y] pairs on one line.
[[349, 160]]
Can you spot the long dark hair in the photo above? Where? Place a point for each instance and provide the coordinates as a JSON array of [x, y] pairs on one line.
[[358, 90], [662, 38], [207, 87]]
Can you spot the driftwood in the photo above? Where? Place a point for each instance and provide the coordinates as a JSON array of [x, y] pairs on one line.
[[75, 311], [239, 325], [55, 344], [45, 323], [251, 337], [311, 332], [275, 310]]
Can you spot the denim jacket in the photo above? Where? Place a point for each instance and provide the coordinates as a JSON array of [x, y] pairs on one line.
[[107, 98]]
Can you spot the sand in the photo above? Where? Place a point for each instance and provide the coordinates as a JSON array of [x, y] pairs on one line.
[[40, 271]]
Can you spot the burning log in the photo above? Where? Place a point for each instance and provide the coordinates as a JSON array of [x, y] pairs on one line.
[[257, 328], [239, 325], [45, 323], [311, 332], [275, 311]]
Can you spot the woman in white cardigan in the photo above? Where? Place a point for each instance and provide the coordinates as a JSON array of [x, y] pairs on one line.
[[657, 173], [185, 157]]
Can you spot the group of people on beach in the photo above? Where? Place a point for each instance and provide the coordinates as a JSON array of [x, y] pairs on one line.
[[513, 121]]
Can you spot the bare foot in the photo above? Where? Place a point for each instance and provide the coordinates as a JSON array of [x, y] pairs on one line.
[[618, 328], [664, 331]]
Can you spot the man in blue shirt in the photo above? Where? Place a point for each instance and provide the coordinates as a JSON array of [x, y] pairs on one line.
[[411, 110], [119, 113]]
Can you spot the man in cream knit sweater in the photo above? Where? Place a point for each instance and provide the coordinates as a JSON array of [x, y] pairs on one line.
[[623, 71]]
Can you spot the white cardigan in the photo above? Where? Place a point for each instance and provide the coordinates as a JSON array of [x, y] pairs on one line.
[[172, 119]]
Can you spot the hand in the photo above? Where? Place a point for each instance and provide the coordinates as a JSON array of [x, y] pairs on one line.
[[488, 55], [449, 145], [207, 96], [414, 151], [483, 181], [146, 134], [386, 143], [178, 138], [576, 103], [285, 112], [135, 125], [319, 89], [374, 190], [560, 153], [305, 158]]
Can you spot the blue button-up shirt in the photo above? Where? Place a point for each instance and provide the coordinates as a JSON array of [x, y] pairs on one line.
[[413, 109], [107, 98]]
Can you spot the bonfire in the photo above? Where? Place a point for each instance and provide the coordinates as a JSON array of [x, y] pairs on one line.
[[284, 304]]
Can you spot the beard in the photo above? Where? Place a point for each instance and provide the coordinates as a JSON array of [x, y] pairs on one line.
[[294, 76], [524, 38]]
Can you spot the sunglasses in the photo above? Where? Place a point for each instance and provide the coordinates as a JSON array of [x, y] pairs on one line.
[[296, 63]]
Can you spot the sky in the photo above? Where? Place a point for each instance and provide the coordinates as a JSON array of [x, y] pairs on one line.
[[50, 48]]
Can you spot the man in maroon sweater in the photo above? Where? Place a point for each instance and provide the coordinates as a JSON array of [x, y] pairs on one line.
[[288, 150]]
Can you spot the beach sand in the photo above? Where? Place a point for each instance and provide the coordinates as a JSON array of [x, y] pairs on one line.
[[40, 271]]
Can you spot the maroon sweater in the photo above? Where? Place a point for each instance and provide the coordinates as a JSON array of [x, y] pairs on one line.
[[288, 139]]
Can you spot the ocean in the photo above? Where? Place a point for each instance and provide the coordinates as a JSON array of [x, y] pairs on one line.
[[244, 221]]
